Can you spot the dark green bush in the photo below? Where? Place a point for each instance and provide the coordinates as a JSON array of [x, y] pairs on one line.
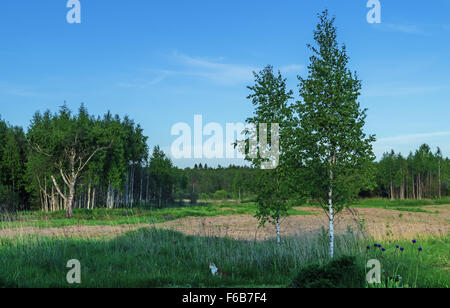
[[204, 196], [341, 272]]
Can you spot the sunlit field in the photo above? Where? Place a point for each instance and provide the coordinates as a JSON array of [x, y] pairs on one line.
[[142, 248]]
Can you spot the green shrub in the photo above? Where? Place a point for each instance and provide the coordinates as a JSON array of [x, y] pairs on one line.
[[204, 196], [341, 272], [220, 195]]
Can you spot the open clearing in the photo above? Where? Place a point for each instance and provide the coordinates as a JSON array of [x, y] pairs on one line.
[[378, 223]]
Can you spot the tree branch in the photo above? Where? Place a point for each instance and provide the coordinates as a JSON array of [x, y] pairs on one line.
[[81, 167], [57, 188]]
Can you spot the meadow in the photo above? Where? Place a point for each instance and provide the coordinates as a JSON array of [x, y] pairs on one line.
[[150, 255], [164, 258]]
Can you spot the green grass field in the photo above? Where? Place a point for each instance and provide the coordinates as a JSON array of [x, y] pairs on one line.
[[151, 257], [138, 215], [385, 203], [156, 258]]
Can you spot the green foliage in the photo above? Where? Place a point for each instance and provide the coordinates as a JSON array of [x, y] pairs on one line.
[[233, 179], [204, 197], [163, 176], [423, 174], [13, 156], [343, 272], [220, 195], [272, 187], [73, 155], [334, 148]]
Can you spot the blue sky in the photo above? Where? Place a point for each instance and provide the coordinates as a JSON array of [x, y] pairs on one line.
[[162, 62]]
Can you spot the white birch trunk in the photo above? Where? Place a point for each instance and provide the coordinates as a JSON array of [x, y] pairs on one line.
[[330, 203], [278, 232], [88, 205]]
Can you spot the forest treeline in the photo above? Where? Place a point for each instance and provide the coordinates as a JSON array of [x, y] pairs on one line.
[[75, 160], [82, 161], [422, 174]]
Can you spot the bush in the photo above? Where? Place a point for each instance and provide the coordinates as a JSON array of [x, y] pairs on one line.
[[342, 272], [204, 196], [220, 195]]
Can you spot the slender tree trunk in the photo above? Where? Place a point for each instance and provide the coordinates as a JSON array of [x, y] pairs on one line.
[[89, 196], [46, 200], [439, 179], [429, 185], [53, 205], [419, 188], [146, 192], [41, 198], [330, 203], [69, 201], [392, 191], [127, 184], [108, 196], [132, 186], [278, 232], [140, 188], [93, 198]]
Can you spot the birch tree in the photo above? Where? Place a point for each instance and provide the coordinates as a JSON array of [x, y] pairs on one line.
[[68, 142], [273, 187], [335, 149]]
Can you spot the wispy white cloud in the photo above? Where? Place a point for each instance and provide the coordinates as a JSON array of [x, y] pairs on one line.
[[292, 68], [16, 90], [214, 70], [408, 29], [142, 84]]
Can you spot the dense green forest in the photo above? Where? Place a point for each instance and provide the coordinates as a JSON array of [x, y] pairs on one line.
[[423, 174], [39, 166], [68, 160]]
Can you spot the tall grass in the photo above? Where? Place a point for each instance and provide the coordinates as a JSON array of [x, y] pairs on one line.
[[404, 265], [157, 258]]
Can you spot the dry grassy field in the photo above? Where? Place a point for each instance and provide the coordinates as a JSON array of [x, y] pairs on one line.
[[378, 223], [375, 222]]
